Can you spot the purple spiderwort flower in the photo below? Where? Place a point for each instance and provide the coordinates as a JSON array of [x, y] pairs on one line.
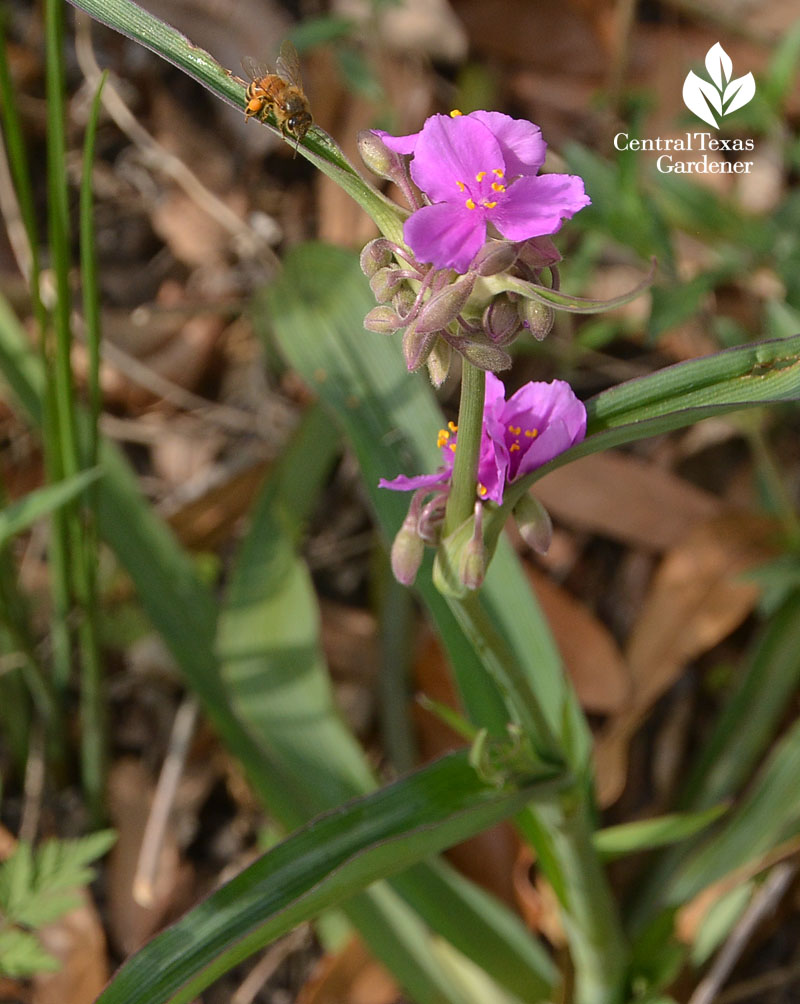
[[536, 424], [478, 170]]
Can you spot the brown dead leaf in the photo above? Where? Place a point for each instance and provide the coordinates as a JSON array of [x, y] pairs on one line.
[[536, 900], [205, 522], [352, 976], [627, 499], [697, 597], [78, 942], [591, 656]]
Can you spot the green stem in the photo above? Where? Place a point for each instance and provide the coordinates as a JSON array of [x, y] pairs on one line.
[[470, 422], [591, 917]]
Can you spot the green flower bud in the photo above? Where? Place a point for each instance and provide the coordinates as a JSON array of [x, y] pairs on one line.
[[377, 156], [383, 320], [472, 568], [384, 283], [417, 346], [537, 317], [377, 254], [407, 552], [534, 523], [439, 362]]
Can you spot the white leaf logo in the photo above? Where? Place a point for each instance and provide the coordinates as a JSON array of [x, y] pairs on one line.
[[719, 96]]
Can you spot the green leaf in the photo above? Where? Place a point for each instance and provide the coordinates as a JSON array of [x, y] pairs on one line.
[[21, 955], [629, 838], [322, 864], [37, 887], [768, 815], [21, 514]]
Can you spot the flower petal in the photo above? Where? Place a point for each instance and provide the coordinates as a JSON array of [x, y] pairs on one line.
[[405, 484], [400, 144], [520, 142], [536, 206], [447, 235], [453, 150]]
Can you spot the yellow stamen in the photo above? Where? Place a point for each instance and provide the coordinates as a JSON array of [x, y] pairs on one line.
[[513, 448], [489, 205], [455, 113], [499, 172], [497, 187], [482, 489], [480, 175], [515, 430], [452, 426], [442, 438], [461, 186], [470, 204], [453, 447], [531, 433]]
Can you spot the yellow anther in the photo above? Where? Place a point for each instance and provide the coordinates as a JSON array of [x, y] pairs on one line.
[[442, 438], [513, 448], [452, 426], [489, 205], [461, 186], [455, 113], [453, 447], [470, 204], [531, 433], [480, 175], [497, 187], [498, 171], [482, 489], [515, 430]]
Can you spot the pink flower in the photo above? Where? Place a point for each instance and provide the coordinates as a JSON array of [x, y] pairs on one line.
[[478, 170], [536, 424]]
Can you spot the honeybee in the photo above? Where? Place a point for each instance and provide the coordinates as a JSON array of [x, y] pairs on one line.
[[280, 92]]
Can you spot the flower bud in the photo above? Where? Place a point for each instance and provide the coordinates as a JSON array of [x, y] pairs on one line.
[[482, 353], [384, 283], [439, 362], [501, 320], [377, 156], [407, 552], [537, 317], [494, 257], [534, 523], [539, 252], [431, 519], [444, 307], [472, 568], [376, 254], [403, 301], [417, 346], [383, 320]]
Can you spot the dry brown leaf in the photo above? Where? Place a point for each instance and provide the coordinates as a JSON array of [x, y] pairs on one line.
[[591, 656], [352, 976], [697, 597], [204, 523], [536, 900], [627, 499], [78, 942]]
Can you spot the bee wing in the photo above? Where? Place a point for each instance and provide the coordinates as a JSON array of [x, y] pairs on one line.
[[287, 65], [254, 68]]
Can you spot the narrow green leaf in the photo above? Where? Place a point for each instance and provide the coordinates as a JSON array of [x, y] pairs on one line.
[[20, 515], [629, 838], [321, 864], [768, 815], [317, 146]]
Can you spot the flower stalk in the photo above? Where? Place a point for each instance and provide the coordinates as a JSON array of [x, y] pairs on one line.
[[465, 469]]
